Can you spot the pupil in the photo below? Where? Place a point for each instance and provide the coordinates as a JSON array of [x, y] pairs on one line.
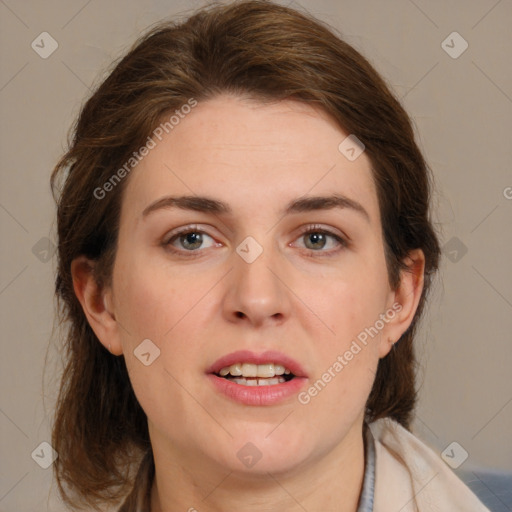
[[317, 240], [192, 240]]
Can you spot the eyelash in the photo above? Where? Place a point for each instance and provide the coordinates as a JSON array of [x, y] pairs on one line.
[[342, 242]]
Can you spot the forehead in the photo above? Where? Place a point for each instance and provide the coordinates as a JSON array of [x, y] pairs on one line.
[[251, 155]]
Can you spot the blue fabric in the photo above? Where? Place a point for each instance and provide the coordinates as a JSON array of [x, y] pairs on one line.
[[493, 487]]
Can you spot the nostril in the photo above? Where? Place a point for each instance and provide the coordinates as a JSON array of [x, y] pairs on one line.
[[239, 314]]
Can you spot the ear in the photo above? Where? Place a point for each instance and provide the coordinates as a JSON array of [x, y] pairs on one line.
[[404, 300], [96, 303]]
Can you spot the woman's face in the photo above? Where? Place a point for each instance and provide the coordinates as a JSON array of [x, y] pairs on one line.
[[263, 267]]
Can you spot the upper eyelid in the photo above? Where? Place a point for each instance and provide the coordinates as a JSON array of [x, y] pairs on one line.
[[334, 232], [176, 233], [340, 238]]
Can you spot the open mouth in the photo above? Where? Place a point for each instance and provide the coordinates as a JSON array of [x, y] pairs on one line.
[[264, 379], [248, 374]]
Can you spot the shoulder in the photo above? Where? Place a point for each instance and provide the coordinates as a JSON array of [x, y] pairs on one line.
[[411, 477]]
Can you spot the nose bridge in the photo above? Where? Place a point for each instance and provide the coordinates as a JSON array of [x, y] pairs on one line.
[[256, 293]]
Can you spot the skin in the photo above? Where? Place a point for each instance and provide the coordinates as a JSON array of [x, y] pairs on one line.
[[303, 298]]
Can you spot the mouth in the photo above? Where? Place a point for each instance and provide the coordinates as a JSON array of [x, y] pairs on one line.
[[249, 374], [251, 367], [257, 379]]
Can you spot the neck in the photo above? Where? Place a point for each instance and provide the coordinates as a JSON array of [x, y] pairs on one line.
[[187, 483]]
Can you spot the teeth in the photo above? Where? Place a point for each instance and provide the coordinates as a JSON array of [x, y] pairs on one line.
[[254, 370], [258, 382]]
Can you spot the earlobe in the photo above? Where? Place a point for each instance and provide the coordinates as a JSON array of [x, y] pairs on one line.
[[96, 303], [406, 299]]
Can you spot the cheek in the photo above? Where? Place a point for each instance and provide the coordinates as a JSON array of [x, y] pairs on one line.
[[159, 304], [347, 356], [140, 305], [152, 299], [352, 302], [347, 365]]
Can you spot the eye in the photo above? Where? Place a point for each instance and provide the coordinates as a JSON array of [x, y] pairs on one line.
[[317, 239], [190, 240]]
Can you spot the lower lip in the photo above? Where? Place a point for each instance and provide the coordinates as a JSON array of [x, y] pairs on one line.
[[257, 395]]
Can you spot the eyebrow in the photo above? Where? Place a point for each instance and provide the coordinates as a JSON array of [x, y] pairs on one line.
[[209, 205]]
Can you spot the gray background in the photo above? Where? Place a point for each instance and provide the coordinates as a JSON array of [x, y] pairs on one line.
[[462, 111]]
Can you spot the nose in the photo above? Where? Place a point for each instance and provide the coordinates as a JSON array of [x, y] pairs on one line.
[[256, 293]]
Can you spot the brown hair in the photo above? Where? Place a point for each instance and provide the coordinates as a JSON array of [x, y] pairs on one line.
[[251, 48]]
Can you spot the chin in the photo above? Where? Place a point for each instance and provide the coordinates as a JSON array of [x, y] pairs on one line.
[[276, 465], [263, 451]]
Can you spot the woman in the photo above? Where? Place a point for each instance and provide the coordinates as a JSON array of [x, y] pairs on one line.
[[244, 253]]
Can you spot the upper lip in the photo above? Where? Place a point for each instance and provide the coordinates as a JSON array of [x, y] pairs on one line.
[[246, 356]]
